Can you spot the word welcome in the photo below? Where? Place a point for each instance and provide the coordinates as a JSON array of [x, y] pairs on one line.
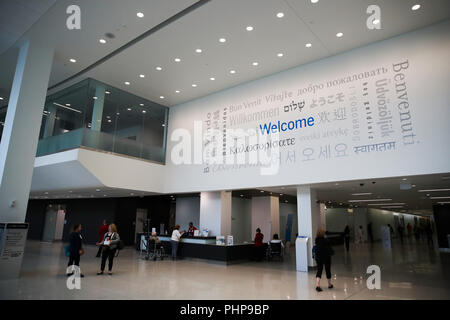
[[270, 127]]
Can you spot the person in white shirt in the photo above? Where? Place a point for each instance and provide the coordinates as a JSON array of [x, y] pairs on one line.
[[175, 239]]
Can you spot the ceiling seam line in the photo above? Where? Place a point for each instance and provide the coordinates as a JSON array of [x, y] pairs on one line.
[[306, 24]]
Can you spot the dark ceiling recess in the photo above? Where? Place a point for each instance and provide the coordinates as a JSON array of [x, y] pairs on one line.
[[250, 193]]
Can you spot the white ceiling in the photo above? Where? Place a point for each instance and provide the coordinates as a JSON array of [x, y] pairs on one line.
[[389, 188], [303, 22], [17, 16]]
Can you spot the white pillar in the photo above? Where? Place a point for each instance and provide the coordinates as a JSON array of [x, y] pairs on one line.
[[21, 130], [266, 216], [308, 213], [215, 212], [97, 112]]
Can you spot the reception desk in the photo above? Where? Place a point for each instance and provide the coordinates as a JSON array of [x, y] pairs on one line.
[[206, 248]]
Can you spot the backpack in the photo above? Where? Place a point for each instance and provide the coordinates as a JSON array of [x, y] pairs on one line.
[[67, 250]]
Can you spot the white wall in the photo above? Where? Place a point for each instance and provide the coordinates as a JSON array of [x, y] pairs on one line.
[[261, 216], [187, 210], [380, 218], [338, 218], [241, 217], [418, 128], [215, 212]]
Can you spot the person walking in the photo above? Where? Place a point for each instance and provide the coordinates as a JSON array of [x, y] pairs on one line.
[[109, 247], [347, 237], [101, 234], [75, 249], [175, 239], [322, 255]]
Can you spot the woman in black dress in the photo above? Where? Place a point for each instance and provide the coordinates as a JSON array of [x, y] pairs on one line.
[[323, 255]]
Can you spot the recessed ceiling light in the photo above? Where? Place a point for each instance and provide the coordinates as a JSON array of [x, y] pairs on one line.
[[144, 111], [161, 97], [308, 45], [118, 113], [102, 41], [369, 200], [280, 15], [339, 34], [177, 91], [314, 1], [140, 15], [198, 50], [222, 40], [68, 104], [109, 120], [127, 83], [1, 98], [415, 7], [434, 190], [255, 63], [98, 190], [249, 28], [95, 98], [280, 55], [158, 68], [212, 78], [177, 59], [194, 85], [142, 76], [163, 125], [73, 60], [107, 92], [129, 109], [141, 104], [232, 71]]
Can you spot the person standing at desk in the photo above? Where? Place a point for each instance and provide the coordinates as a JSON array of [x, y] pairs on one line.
[[191, 229], [259, 246], [175, 239]]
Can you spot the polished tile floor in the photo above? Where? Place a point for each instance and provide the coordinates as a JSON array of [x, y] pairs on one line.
[[409, 271]]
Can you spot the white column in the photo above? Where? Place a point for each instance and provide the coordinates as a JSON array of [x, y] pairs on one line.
[[308, 213], [97, 112], [21, 130], [215, 212], [266, 216]]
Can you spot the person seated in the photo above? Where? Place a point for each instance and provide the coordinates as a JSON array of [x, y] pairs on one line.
[[155, 237], [191, 229], [276, 239]]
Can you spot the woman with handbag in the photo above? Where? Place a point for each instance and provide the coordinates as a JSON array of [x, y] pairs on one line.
[[323, 254], [75, 249], [109, 243]]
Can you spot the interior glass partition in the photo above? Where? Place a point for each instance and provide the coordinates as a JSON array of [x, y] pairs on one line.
[[98, 116]]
